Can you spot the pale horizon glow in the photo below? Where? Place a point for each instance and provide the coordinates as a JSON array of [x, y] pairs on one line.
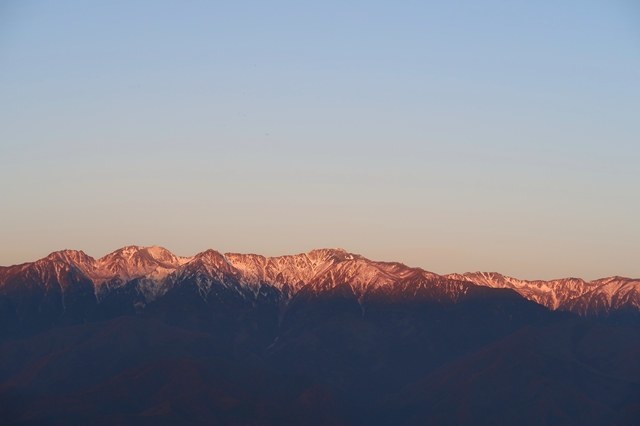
[[452, 136]]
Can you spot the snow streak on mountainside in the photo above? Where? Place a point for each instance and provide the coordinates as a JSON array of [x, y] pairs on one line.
[[151, 272], [569, 294]]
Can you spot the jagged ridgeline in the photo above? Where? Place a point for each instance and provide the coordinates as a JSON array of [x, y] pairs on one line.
[[69, 285], [142, 336]]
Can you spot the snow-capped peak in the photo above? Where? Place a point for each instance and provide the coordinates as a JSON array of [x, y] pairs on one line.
[[136, 262], [571, 294], [156, 269], [74, 257]]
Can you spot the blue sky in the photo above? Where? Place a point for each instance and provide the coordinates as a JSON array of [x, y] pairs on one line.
[[458, 135]]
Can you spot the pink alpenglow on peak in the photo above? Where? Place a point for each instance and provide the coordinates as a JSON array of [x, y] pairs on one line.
[[157, 270]]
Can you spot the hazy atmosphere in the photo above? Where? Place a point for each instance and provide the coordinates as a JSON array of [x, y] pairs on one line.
[[455, 136]]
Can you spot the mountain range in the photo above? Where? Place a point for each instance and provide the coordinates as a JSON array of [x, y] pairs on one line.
[[151, 272], [142, 336]]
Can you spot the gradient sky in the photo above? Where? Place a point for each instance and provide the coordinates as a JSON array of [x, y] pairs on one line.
[[451, 135]]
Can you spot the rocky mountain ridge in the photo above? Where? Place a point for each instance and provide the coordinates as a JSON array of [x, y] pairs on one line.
[[154, 271]]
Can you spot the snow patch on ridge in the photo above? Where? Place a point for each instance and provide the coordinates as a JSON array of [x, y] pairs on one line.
[[154, 270]]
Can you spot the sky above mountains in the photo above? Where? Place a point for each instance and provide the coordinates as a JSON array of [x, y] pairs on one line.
[[454, 136]]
